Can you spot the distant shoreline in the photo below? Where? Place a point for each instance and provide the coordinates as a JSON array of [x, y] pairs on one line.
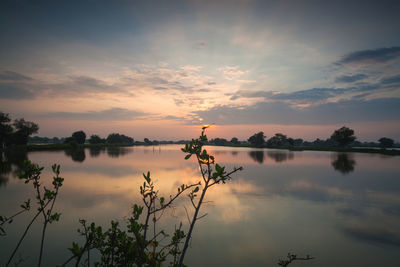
[[46, 147]]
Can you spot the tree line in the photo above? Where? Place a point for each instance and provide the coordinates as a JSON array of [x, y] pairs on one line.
[[15, 132], [341, 137], [19, 131], [79, 137]]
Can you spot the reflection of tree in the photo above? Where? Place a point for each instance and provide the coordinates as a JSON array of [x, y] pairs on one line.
[[343, 163], [96, 150], [280, 156], [8, 159], [5, 169], [234, 153], [77, 154], [257, 156], [115, 152]]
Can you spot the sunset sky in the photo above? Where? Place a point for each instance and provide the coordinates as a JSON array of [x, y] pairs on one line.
[[159, 69]]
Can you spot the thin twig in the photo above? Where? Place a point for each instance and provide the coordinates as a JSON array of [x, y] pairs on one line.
[[202, 216], [187, 215], [173, 198]]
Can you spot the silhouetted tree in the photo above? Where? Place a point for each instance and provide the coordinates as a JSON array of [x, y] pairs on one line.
[[5, 129], [147, 141], [23, 129], [385, 142], [278, 140], [290, 141], [343, 136], [116, 138], [298, 142], [70, 140], [95, 139], [79, 137], [219, 141], [235, 141], [257, 139]]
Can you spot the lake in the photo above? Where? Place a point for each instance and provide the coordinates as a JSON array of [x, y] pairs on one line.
[[343, 209]]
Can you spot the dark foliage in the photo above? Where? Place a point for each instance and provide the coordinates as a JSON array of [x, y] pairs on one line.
[[95, 139], [385, 142], [235, 141], [116, 138], [343, 136], [16, 133], [257, 139], [79, 137]]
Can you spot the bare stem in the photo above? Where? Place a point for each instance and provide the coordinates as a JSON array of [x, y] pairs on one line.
[[189, 235], [22, 237]]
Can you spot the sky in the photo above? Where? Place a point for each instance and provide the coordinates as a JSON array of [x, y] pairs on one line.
[[160, 69]]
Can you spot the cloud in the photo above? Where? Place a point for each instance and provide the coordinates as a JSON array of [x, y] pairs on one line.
[[380, 55], [81, 85], [303, 96], [14, 85], [191, 68], [311, 94], [9, 76], [345, 111], [113, 114], [252, 94], [350, 78], [186, 79], [231, 72], [391, 80], [15, 91]]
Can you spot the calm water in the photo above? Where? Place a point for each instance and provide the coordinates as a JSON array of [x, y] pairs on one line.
[[344, 209]]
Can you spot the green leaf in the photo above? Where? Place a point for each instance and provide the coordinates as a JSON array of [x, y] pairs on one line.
[[196, 189], [147, 177], [188, 156], [218, 168]]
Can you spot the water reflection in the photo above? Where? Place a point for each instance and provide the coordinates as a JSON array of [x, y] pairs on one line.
[[115, 152], [343, 163], [95, 151], [277, 156], [268, 207], [11, 163], [257, 156], [76, 154], [280, 156]]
